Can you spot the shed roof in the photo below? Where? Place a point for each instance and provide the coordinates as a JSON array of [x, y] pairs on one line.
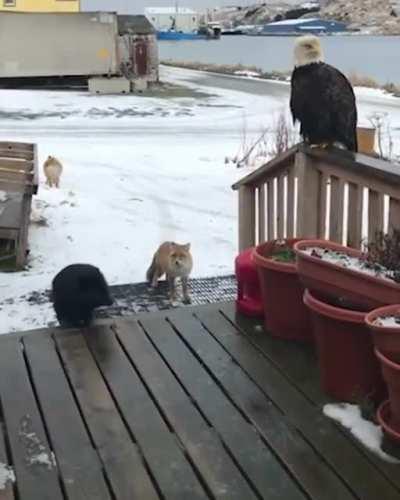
[[139, 25]]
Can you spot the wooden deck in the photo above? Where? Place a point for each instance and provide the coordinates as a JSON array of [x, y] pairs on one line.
[[184, 405]]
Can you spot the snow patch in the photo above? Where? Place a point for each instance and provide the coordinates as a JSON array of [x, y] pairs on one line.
[[369, 434], [388, 321], [341, 259], [6, 475], [3, 196]]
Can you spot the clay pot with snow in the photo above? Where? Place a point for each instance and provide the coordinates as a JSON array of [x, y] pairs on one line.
[[285, 314], [335, 271], [348, 367], [384, 324]]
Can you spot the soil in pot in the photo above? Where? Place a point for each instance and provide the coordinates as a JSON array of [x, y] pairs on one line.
[[285, 314], [348, 367], [333, 270], [384, 324], [391, 374]]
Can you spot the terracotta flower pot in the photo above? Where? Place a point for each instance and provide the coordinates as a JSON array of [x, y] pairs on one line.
[[391, 374], [365, 291], [385, 420], [285, 315], [386, 338], [348, 367]]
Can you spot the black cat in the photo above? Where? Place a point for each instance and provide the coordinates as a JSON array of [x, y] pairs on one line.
[[76, 291]]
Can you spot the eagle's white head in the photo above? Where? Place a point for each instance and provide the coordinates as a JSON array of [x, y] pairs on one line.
[[307, 50]]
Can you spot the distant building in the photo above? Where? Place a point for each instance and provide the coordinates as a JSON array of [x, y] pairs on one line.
[[298, 26], [179, 19], [40, 5]]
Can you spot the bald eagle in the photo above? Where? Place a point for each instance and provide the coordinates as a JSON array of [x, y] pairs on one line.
[[322, 99]]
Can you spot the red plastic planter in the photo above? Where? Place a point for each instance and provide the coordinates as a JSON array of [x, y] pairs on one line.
[[384, 417], [285, 315], [386, 339], [391, 374], [363, 290], [348, 367], [249, 300]]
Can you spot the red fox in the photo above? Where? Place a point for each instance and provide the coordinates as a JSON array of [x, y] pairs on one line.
[[175, 261]]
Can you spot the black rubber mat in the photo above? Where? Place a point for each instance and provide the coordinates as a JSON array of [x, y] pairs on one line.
[[139, 297]]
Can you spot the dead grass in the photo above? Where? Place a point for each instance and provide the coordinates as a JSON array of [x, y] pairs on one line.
[[228, 69], [356, 79]]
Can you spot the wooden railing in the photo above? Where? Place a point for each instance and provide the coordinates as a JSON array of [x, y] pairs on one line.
[[313, 193]]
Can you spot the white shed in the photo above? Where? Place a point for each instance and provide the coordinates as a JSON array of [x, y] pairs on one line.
[[178, 18]]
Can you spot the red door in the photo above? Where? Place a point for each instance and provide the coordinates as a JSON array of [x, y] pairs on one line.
[[141, 58]]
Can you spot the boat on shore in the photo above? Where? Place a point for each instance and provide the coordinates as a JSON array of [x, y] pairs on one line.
[[211, 31]]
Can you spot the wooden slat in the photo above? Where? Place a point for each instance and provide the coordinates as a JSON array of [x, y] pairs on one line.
[[280, 208], [394, 214], [164, 456], [22, 242], [19, 146], [324, 180], [354, 231], [15, 153], [316, 478], [336, 210], [36, 478], [290, 203], [254, 458], [204, 448], [261, 213], [375, 214], [81, 470], [270, 209], [363, 477], [15, 175], [247, 217], [15, 164], [307, 197], [120, 457]]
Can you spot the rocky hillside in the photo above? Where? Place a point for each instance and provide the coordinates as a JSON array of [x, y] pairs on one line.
[[370, 16]]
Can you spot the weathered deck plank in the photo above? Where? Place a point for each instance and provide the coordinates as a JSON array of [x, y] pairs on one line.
[[124, 468], [298, 364], [256, 460], [80, 467], [222, 477], [192, 404], [164, 455], [36, 473], [299, 456]]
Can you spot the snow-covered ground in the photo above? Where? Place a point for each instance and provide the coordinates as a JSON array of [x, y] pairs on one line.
[[137, 171]]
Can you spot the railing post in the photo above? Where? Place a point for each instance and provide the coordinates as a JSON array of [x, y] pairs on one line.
[[308, 197], [247, 217]]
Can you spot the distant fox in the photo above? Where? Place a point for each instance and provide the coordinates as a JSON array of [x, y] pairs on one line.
[[52, 170], [175, 261], [77, 290]]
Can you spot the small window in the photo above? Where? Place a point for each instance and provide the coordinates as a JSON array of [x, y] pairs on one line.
[[8, 3]]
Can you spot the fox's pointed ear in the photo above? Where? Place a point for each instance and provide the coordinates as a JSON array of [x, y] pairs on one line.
[[186, 247]]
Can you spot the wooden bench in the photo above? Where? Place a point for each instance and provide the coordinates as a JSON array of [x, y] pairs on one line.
[[18, 182]]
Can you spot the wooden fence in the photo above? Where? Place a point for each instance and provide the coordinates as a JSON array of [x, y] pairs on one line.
[[314, 193]]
